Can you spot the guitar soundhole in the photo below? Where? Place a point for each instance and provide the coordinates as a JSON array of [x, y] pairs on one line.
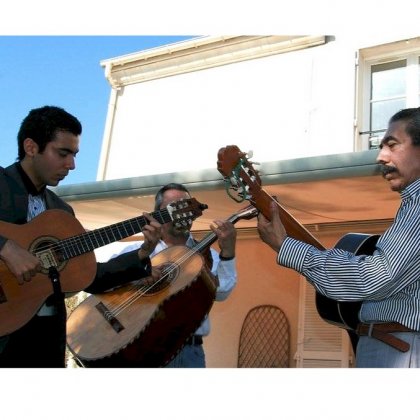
[[48, 252], [170, 272]]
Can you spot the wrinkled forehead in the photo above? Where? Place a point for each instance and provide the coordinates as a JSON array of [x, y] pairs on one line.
[[396, 131]]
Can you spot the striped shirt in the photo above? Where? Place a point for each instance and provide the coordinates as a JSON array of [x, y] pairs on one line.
[[388, 282]]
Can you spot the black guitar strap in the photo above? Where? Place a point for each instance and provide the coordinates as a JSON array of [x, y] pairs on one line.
[[54, 276], [57, 298]]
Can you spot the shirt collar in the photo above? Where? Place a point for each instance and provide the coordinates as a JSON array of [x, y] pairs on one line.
[[411, 190], [28, 183]]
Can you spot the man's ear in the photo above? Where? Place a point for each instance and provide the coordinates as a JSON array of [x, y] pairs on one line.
[[30, 147]]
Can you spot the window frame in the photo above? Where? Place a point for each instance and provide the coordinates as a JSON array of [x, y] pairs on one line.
[[366, 58]]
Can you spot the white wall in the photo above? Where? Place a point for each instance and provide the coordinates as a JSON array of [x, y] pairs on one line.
[[281, 107], [284, 106]]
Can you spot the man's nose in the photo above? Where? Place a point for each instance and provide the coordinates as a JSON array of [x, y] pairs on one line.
[[383, 156], [71, 163]]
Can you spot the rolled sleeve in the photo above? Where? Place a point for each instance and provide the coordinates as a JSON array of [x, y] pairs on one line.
[[226, 273], [292, 254]]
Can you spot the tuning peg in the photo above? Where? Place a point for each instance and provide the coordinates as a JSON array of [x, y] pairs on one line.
[[249, 155], [233, 181]]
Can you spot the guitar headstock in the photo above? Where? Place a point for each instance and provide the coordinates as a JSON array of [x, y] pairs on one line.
[[239, 174], [185, 211]]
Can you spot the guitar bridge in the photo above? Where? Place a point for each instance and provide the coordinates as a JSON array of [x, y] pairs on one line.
[[105, 312]]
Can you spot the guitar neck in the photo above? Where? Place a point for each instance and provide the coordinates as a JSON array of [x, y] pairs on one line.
[[211, 237], [240, 174], [293, 228], [87, 242]]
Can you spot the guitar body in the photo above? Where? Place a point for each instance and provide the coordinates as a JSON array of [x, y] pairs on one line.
[[19, 303], [345, 314], [339, 313], [151, 329]]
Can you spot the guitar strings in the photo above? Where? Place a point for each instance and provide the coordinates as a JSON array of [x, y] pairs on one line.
[[140, 290], [115, 228], [249, 211], [143, 290], [206, 241], [83, 243]]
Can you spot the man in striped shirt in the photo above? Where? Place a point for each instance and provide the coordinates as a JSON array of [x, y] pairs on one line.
[[388, 281]]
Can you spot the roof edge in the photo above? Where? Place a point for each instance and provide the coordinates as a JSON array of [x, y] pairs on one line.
[[314, 168]]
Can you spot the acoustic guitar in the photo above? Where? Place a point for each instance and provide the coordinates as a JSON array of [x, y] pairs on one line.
[[146, 323], [61, 243], [241, 178]]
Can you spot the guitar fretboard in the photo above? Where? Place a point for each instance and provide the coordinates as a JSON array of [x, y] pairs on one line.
[[87, 242]]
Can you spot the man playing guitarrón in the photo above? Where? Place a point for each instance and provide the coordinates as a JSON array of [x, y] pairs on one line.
[[222, 265]]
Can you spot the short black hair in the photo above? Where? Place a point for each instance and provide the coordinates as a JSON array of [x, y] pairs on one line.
[[412, 117], [41, 125], [170, 186]]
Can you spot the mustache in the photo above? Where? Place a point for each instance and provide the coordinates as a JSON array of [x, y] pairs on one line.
[[385, 170]]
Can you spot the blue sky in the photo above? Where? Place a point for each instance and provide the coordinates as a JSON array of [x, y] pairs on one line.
[[63, 71]]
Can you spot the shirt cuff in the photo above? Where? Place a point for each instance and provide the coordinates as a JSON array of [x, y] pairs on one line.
[[292, 254], [225, 258]]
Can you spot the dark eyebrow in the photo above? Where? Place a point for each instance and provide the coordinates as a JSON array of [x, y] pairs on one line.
[[386, 140], [65, 149]]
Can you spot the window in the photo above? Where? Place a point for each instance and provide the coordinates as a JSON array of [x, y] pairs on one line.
[[387, 92], [389, 81]]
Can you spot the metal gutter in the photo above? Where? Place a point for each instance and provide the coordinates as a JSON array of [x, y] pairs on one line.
[[344, 165]]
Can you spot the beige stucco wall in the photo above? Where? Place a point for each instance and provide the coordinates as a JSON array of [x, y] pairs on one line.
[[260, 281]]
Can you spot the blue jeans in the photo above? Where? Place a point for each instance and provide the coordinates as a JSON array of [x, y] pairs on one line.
[[372, 353], [189, 357]]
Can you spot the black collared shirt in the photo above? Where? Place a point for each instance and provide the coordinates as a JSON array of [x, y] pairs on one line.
[[29, 185]]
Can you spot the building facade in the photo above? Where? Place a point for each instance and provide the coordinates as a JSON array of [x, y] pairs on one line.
[[311, 108]]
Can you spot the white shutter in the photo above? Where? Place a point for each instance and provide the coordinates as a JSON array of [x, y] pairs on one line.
[[320, 344]]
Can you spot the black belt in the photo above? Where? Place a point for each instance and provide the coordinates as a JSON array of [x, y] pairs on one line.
[[383, 332], [195, 340]]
